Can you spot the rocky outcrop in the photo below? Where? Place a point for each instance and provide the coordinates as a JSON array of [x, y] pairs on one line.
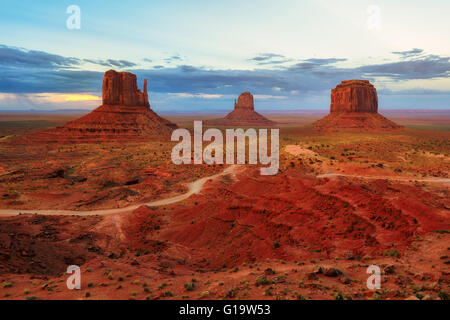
[[120, 88], [244, 115], [125, 115], [354, 106], [354, 96], [244, 102]]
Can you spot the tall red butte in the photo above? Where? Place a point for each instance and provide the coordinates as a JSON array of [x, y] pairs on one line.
[[125, 115], [244, 114], [354, 106]]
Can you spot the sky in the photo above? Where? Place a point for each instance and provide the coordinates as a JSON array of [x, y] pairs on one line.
[[198, 56]]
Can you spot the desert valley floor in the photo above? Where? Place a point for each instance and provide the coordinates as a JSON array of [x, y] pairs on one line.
[[340, 202]]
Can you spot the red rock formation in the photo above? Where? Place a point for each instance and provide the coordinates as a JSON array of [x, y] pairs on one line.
[[121, 89], [124, 115], [354, 106], [354, 96], [244, 114], [245, 101]]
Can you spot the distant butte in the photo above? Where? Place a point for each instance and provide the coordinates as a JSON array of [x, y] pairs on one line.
[[354, 96], [125, 115], [354, 106], [244, 114]]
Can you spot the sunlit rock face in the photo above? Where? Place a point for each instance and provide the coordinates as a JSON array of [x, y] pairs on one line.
[[120, 88], [245, 101], [354, 96]]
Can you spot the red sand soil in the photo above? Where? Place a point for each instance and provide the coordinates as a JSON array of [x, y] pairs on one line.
[[296, 239], [302, 234]]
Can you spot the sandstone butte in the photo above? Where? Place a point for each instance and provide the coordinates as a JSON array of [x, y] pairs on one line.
[[354, 106], [244, 114], [125, 115]]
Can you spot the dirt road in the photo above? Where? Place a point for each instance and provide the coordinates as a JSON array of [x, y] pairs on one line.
[[193, 188]]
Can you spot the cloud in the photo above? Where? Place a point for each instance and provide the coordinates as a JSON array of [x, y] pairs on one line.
[[173, 58], [302, 82], [323, 62], [312, 63], [48, 101], [266, 56], [112, 63], [268, 59], [185, 68], [410, 53], [29, 80], [426, 67], [19, 57], [65, 97]]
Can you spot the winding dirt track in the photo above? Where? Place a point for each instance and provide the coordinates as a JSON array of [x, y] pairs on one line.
[[193, 188]]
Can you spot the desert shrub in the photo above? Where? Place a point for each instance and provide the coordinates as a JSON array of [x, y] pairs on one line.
[[189, 286], [262, 281]]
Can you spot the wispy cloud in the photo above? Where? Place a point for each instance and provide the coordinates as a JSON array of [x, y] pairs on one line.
[[312, 63], [173, 58], [112, 63], [270, 59], [266, 56], [409, 53]]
